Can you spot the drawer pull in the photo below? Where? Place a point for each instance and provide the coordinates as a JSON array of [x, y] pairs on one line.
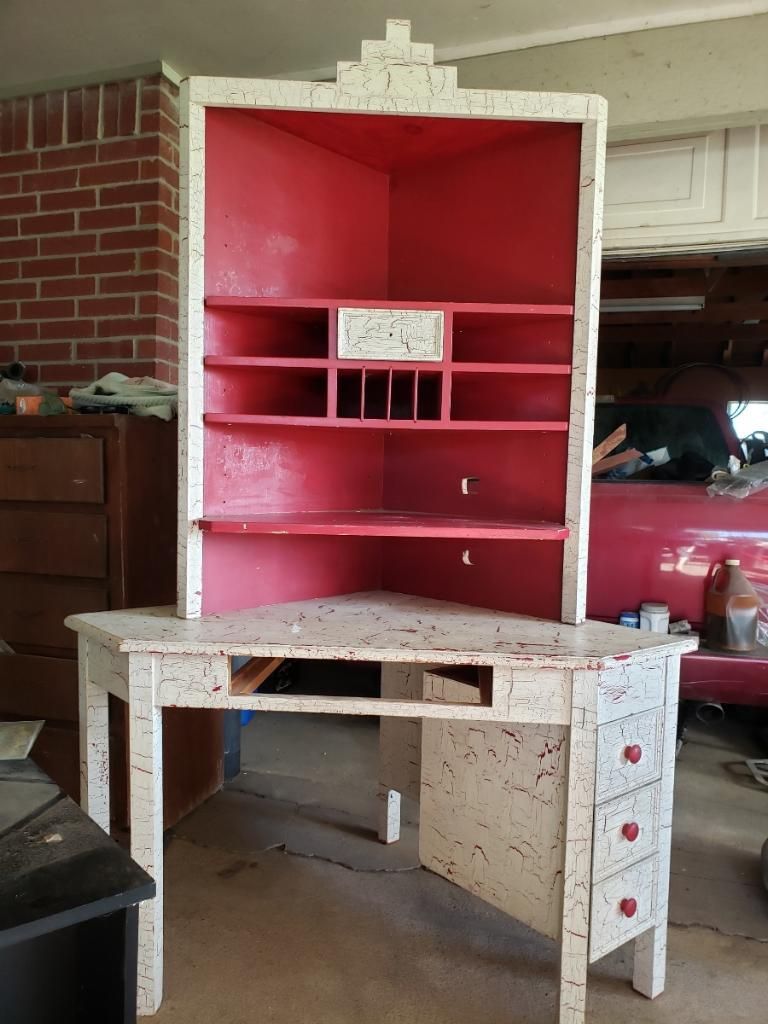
[[633, 753], [629, 907], [631, 831]]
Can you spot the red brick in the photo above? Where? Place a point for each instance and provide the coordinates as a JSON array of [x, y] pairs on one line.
[[67, 373], [159, 261], [18, 204], [9, 271], [48, 181], [141, 238], [73, 199], [168, 285], [168, 151], [143, 192], [49, 268], [9, 311], [14, 247], [110, 103], [56, 351], [67, 329], [126, 122], [47, 309], [19, 162], [133, 369], [69, 156], [60, 245], [127, 327], [159, 169], [166, 241], [113, 263], [127, 149], [18, 290], [110, 174], [158, 123], [105, 349], [59, 287], [48, 223], [6, 126], [8, 354], [19, 332], [91, 96], [10, 184], [122, 305], [154, 213], [156, 96], [55, 118], [161, 350], [167, 372], [39, 122], [158, 304], [113, 217], [20, 122], [74, 115], [166, 328], [117, 284], [9, 227]]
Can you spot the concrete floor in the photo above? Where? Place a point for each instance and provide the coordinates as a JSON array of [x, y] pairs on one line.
[[282, 908]]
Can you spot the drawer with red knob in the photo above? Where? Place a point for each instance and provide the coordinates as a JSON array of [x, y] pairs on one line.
[[626, 830], [629, 753], [623, 906]]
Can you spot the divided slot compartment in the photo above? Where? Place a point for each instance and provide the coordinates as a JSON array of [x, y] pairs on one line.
[[388, 394]]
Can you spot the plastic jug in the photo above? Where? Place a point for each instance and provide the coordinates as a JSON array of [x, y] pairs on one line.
[[732, 606]]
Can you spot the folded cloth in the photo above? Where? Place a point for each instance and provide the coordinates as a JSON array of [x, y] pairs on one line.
[[144, 396]]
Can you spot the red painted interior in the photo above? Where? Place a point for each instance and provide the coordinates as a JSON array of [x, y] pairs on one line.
[[309, 211]]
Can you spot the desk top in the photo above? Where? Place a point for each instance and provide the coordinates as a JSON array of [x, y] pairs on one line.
[[57, 867], [378, 626]]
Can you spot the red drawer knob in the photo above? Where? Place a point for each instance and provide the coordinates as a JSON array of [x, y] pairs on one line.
[[631, 831], [629, 907], [633, 753]]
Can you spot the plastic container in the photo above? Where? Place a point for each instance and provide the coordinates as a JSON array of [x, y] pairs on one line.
[[654, 615], [732, 610], [629, 619]]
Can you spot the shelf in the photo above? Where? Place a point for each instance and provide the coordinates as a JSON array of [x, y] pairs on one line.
[[256, 302], [354, 523], [288, 362], [245, 419]]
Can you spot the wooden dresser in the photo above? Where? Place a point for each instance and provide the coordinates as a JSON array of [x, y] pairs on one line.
[[88, 523]]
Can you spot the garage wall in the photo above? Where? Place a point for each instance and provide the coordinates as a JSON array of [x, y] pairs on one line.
[[89, 231], [709, 71]]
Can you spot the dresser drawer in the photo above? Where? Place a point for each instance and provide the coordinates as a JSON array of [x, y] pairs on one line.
[[51, 469], [33, 609], [394, 334], [626, 830], [630, 688], [32, 686], [618, 743], [53, 543], [610, 926]]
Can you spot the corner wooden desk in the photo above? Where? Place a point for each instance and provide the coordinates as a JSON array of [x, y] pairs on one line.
[[584, 717]]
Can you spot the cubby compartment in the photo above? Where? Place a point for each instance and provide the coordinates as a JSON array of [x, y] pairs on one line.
[[537, 338], [512, 398], [265, 332], [267, 391]]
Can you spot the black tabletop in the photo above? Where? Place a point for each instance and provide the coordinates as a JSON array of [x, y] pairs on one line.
[[57, 867]]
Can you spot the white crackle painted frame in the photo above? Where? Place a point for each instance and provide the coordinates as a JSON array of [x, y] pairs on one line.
[[398, 76]]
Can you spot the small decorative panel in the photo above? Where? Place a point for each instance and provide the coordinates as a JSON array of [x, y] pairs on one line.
[[393, 334]]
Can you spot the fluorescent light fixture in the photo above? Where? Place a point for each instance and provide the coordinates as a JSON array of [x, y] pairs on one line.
[[672, 303]]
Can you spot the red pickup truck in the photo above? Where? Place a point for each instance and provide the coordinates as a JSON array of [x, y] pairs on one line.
[[657, 539]]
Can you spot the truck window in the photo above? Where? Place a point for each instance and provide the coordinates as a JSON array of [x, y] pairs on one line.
[[687, 431]]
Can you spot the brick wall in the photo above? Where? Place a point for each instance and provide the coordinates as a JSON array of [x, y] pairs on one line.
[[89, 231]]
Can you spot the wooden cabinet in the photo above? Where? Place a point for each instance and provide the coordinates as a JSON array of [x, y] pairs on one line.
[[701, 190], [389, 328], [87, 519]]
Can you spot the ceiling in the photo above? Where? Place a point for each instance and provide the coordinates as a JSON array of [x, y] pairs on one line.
[[51, 39]]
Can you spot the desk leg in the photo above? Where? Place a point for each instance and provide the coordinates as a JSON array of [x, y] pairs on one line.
[[146, 802], [389, 815], [577, 866], [651, 947], [94, 741], [399, 748]]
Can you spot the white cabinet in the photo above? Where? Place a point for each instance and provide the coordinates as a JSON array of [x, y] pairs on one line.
[[704, 190]]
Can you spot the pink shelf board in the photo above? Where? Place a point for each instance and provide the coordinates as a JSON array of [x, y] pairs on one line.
[[292, 362], [244, 419], [365, 523], [245, 302]]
